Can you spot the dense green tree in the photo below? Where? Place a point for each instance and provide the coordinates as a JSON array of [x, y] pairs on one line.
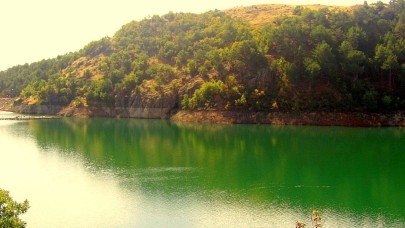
[[324, 56], [353, 61], [387, 60]]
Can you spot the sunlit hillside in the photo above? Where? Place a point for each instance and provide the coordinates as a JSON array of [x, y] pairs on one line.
[[259, 15], [256, 58]]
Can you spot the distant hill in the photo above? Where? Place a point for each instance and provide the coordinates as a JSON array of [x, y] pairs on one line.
[[257, 58]]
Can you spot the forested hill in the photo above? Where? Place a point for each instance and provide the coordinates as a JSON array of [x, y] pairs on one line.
[[323, 59]]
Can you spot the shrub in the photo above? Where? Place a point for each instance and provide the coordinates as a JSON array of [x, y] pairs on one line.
[[207, 95]]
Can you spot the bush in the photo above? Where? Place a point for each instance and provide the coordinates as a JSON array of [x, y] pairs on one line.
[[207, 96], [185, 102], [241, 101]]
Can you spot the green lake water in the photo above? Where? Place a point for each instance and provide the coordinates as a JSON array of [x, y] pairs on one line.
[[152, 173]]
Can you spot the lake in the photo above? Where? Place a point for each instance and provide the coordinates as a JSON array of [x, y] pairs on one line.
[[155, 173]]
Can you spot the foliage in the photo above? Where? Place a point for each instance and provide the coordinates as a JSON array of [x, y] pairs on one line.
[[316, 220], [328, 59], [10, 211], [209, 95]]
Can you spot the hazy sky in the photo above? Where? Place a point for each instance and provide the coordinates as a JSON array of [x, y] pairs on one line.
[[32, 30]]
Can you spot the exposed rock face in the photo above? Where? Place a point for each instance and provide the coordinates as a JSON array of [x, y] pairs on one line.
[[139, 108], [37, 109], [159, 109], [149, 101]]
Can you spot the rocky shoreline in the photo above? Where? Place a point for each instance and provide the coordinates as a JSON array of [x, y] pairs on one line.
[[348, 119], [294, 118]]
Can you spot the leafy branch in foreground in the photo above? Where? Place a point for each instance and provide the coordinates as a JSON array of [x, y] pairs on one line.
[[10, 211]]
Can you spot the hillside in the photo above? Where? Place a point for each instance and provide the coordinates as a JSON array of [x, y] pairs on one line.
[[261, 58]]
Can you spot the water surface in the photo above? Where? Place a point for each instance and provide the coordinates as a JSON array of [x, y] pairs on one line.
[[149, 173]]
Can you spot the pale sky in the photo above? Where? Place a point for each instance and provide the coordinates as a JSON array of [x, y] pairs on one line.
[[32, 30]]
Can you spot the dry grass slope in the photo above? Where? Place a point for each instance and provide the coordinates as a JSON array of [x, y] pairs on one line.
[[80, 66], [259, 15]]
